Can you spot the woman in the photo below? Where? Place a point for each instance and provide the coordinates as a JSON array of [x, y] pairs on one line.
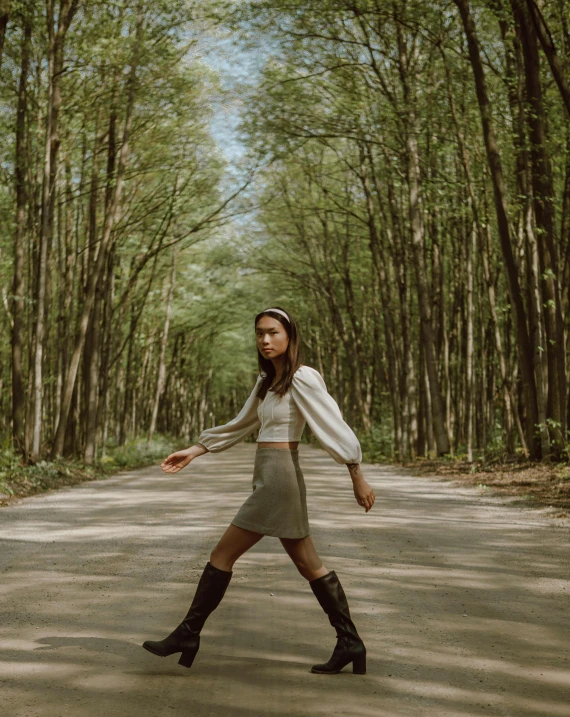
[[286, 395]]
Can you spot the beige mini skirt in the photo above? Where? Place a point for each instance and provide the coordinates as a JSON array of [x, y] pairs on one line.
[[278, 504]]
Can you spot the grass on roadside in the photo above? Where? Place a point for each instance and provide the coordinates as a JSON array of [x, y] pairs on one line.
[[19, 481], [537, 485], [494, 471]]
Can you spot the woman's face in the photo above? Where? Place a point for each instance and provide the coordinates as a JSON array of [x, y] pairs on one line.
[[271, 337]]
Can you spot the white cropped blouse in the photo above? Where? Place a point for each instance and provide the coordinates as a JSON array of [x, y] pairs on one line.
[[282, 419]]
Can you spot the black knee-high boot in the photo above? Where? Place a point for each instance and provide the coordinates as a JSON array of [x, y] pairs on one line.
[[186, 637], [349, 646]]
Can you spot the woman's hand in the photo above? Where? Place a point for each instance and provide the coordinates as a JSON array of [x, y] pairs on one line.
[[364, 494], [362, 490], [179, 460]]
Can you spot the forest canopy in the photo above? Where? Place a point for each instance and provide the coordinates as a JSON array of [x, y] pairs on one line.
[[402, 186]]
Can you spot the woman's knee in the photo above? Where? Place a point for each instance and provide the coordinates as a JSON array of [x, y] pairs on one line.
[[306, 561], [232, 545], [304, 568]]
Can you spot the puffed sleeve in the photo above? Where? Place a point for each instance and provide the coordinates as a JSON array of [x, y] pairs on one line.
[[220, 438], [323, 415]]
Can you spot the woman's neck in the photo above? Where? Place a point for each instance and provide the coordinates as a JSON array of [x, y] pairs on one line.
[[278, 366]]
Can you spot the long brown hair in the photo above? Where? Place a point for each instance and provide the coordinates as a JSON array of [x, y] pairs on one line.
[[293, 358]]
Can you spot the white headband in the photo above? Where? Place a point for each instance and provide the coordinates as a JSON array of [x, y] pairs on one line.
[[279, 312]]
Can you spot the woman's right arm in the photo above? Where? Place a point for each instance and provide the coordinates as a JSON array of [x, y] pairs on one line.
[[180, 459], [219, 438]]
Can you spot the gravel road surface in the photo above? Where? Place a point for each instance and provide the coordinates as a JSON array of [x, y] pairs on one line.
[[462, 600]]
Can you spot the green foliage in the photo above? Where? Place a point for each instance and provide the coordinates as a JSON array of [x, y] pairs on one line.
[[18, 480], [340, 94], [377, 444], [139, 452]]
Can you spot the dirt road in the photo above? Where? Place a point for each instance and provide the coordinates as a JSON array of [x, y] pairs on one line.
[[462, 600]]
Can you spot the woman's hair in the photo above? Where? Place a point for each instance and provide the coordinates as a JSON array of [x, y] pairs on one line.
[[293, 358]]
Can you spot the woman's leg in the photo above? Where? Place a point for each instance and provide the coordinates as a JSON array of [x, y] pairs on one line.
[[302, 552], [232, 545], [328, 591], [209, 593]]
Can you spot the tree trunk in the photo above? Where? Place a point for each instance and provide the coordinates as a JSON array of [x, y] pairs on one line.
[[161, 361], [397, 273], [56, 39], [129, 382], [543, 203], [417, 230], [4, 17], [93, 334], [387, 314], [437, 405], [547, 43], [422, 442], [494, 161], [18, 287], [110, 220], [102, 421], [485, 253], [470, 251]]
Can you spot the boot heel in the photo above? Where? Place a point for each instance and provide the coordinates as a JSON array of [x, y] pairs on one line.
[[359, 665], [187, 658]]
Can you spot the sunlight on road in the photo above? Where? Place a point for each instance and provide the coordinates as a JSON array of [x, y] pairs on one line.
[[461, 600]]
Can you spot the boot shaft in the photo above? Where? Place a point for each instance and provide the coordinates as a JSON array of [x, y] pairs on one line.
[[332, 598], [209, 593]]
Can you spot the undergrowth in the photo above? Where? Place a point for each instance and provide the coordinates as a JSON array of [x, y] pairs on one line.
[[18, 480]]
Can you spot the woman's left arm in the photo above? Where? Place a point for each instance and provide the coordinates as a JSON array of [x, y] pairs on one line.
[[362, 490], [325, 420]]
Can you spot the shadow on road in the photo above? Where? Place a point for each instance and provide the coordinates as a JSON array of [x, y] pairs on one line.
[[462, 601]]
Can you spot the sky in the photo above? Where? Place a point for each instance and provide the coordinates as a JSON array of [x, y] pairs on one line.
[[237, 68]]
